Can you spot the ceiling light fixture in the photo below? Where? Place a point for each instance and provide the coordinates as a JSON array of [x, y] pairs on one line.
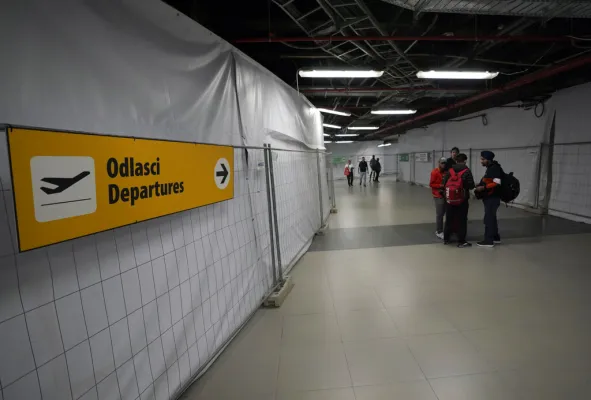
[[344, 141], [384, 144], [335, 112], [362, 128], [393, 112], [326, 134], [331, 126], [456, 75], [347, 134], [340, 73], [328, 141]]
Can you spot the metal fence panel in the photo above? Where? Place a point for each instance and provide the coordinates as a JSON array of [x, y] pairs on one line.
[[571, 181]]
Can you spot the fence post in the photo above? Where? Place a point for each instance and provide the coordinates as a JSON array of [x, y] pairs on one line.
[[320, 188], [269, 207], [274, 204], [331, 187]]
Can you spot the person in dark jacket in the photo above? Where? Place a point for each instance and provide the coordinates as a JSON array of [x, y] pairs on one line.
[[489, 190], [377, 169], [457, 216], [363, 172], [372, 173], [452, 160]]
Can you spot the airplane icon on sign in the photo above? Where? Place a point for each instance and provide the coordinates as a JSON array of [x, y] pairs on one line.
[[63, 183]]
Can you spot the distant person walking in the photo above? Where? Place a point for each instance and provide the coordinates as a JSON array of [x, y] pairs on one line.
[[372, 164], [363, 172], [349, 168], [377, 168], [436, 184], [489, 190], [457, 182]]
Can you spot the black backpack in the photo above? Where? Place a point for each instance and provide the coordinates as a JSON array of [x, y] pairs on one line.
[[509, 187]]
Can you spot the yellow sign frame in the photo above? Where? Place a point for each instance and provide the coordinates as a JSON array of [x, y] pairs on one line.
[[159, 177]]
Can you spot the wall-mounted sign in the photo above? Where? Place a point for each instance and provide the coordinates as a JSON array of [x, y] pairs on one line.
[[339, 160], [68, 185], [422, 157], [403, 157]]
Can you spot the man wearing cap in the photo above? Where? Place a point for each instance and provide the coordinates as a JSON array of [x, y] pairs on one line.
[[436, 184], [489, 190]]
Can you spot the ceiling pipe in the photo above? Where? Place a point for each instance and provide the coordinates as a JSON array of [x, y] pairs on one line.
[[525, 80], [440, 38], [374, 89]]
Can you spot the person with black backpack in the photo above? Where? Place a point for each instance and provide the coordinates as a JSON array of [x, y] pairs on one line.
[[489, 189], [457, 184]]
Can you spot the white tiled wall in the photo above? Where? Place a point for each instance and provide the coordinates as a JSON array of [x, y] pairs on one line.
[[135, 312]]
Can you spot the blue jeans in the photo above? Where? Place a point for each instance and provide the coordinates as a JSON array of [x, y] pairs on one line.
[[491, 225]]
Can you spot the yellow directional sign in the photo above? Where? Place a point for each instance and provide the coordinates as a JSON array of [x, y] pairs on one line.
[[68, 185]]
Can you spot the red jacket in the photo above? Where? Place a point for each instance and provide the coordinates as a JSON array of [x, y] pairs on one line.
[[436, 183]]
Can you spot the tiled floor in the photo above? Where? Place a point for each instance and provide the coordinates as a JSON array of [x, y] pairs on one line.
[[420, 322]]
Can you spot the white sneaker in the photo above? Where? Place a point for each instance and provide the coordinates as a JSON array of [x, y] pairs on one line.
[[439, 235]]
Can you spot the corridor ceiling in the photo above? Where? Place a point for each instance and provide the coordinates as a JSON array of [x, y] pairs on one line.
[[520, 39]]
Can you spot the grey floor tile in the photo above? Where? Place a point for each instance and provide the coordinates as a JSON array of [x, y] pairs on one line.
[[310, 328], [366, 324], [487, 386], [416, 390], [420, 320], [329, 394]]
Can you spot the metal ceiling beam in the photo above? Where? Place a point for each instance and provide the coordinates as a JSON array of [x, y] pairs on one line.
[[374, 89], [438, 38], [525, 80]]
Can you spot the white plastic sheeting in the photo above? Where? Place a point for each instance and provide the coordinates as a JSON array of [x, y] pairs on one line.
[[516, 136], [138, 312]]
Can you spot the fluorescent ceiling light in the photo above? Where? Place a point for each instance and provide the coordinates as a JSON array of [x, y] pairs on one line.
[[362, 128], [326, 134], [347, 134], [345, 141], [340, 73], [456, 75], [331, 126], [327, 111], [384, 144], [393, 112], [328, 141]]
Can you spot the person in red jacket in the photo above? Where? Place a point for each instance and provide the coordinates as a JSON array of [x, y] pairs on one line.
[[436, 184]]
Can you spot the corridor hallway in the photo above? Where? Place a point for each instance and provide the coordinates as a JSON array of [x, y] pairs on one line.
[[381, 310]]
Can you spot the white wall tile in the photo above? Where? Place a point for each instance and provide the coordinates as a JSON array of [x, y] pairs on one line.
[[186, 297], [140, 244], [25, 388], [137, 331], [166, 235], [71, 319], [107, 254], [121, 344], [176, 307], [182, 264], [128, 381], [159, 271], [169, 348], [10, 301], [44, 332], [34, 278], [156, 358], [176, 225], [109, 388], [179, 338], [85, 255], [131, 290], [142, 369], [147, 286], [16, 357], [102, 354], [125, 248], [174, 380], [93, 304], [55, 382], [80, 369], [151, 321], [154, 240], [161, 387], [113, 292], [63, 269], [164, 312], [172, 271], [185, 367]]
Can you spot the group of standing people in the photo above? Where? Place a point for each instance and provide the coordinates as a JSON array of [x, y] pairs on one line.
[[374, 165], [451, 183]]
